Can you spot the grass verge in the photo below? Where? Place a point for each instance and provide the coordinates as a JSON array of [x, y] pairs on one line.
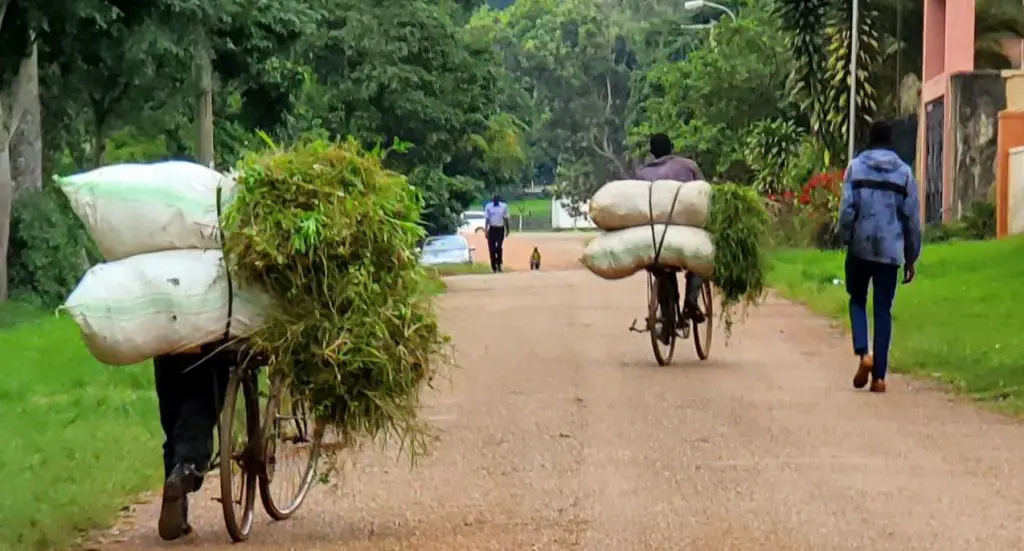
[[538, 206], [80, 440], [957, 322], [439, 271], [14, 313], [442, 270]]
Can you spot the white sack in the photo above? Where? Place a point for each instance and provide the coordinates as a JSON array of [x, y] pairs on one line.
[[133, 209], [159, 303], [622, 253], [628, 204]]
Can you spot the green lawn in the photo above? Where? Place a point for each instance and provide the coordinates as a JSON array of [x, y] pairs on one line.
[[537, 208], [438, 273], [79, 440], [957, 322], [442, 270]]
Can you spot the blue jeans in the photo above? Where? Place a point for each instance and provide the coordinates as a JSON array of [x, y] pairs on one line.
[[882, 278]]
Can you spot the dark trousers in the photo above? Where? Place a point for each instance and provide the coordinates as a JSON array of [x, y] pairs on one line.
[[190, 397], [693, 284], [883, 279], [495, 239]]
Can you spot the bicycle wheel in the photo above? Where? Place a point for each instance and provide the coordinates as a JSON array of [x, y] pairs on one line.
[[238, 435], [291, 450], [663, 351], [702, 331]]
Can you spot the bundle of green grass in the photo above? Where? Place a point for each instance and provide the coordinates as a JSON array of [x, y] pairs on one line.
[[331, 236], [739, 224]]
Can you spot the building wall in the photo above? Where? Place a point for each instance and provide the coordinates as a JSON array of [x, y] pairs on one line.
[[948, 49], [976, 99], [1015, 193], [1011, 137]]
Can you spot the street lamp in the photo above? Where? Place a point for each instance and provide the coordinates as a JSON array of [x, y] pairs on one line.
[[854, 52], [694, 5]]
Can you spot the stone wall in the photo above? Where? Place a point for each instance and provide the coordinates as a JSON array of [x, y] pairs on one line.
[[977, 98]]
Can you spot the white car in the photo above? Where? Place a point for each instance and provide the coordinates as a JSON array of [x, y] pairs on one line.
[[473, 221], [446, 249]]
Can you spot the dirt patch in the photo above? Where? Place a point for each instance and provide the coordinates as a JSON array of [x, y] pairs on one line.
[[559, 432]]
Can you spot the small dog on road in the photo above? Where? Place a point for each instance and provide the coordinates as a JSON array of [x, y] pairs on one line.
[[535, 260]]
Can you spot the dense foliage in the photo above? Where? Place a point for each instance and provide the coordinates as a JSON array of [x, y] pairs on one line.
[[331, 235], [491, 95]]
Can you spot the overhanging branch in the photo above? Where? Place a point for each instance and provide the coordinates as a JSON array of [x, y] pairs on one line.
[[605, 150]]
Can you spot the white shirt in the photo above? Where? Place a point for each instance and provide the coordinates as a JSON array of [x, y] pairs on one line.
[[495, 214]]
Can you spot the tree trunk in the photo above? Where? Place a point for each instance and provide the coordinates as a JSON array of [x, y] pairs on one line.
[[26, 150], [13, 99], [204, 104], [6, 197], [99, 144]]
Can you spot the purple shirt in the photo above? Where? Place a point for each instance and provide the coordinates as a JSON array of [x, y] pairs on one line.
[[670, 167]]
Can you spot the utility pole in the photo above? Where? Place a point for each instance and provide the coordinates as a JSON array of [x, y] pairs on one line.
[[854, 53]]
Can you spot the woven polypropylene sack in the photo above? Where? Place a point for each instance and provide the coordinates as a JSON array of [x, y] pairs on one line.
[[142, 306], [131, 209], [622, 253], [630, 203]]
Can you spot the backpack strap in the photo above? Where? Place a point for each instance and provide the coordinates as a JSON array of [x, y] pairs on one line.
[[881, 185]]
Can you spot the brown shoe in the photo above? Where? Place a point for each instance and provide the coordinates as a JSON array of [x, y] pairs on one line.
[[877, 385], [867, 363]]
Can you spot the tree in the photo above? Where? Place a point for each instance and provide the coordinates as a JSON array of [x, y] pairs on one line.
[[574, 60], [405, 71], [708, 101]]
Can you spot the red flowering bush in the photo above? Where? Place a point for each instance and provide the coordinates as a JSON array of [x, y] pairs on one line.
[[822, 186], [808, 218]]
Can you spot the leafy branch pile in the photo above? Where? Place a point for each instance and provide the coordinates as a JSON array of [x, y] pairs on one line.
[[331, 235], [739, 224]]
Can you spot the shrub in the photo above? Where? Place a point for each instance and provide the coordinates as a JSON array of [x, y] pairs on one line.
[[49, 249], [978, 224], [810, 218]]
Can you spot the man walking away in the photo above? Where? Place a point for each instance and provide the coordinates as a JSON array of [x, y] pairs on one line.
[[667, 166], [880, 223], [496, 226]]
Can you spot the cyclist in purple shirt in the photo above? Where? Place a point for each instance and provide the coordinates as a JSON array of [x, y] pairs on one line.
[[667, 166]]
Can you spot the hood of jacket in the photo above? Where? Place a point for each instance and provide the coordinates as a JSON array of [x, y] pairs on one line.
[[880, 160]]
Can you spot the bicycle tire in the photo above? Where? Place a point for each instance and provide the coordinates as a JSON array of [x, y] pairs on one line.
[[309, 436], [653, 316], [238, 526], [702, 344]]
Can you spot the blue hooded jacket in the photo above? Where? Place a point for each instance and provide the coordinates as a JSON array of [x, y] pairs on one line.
[[879, 217]]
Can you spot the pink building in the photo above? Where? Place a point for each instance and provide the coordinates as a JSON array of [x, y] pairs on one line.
[[948, 49]]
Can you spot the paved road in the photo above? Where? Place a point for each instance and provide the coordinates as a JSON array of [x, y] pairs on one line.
[[561, 433]]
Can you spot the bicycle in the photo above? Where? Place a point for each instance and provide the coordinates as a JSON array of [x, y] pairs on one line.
[[661, 300], [255, 453]]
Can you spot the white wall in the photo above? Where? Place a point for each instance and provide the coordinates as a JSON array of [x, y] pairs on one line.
[[562, 220], [1015, 183]]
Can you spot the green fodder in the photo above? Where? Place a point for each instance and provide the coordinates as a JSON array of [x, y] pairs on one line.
[[738, 223], [331, 235]]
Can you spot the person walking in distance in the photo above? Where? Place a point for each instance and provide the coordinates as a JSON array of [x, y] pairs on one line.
[[879, 221], [496, 227], [667, 166]]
